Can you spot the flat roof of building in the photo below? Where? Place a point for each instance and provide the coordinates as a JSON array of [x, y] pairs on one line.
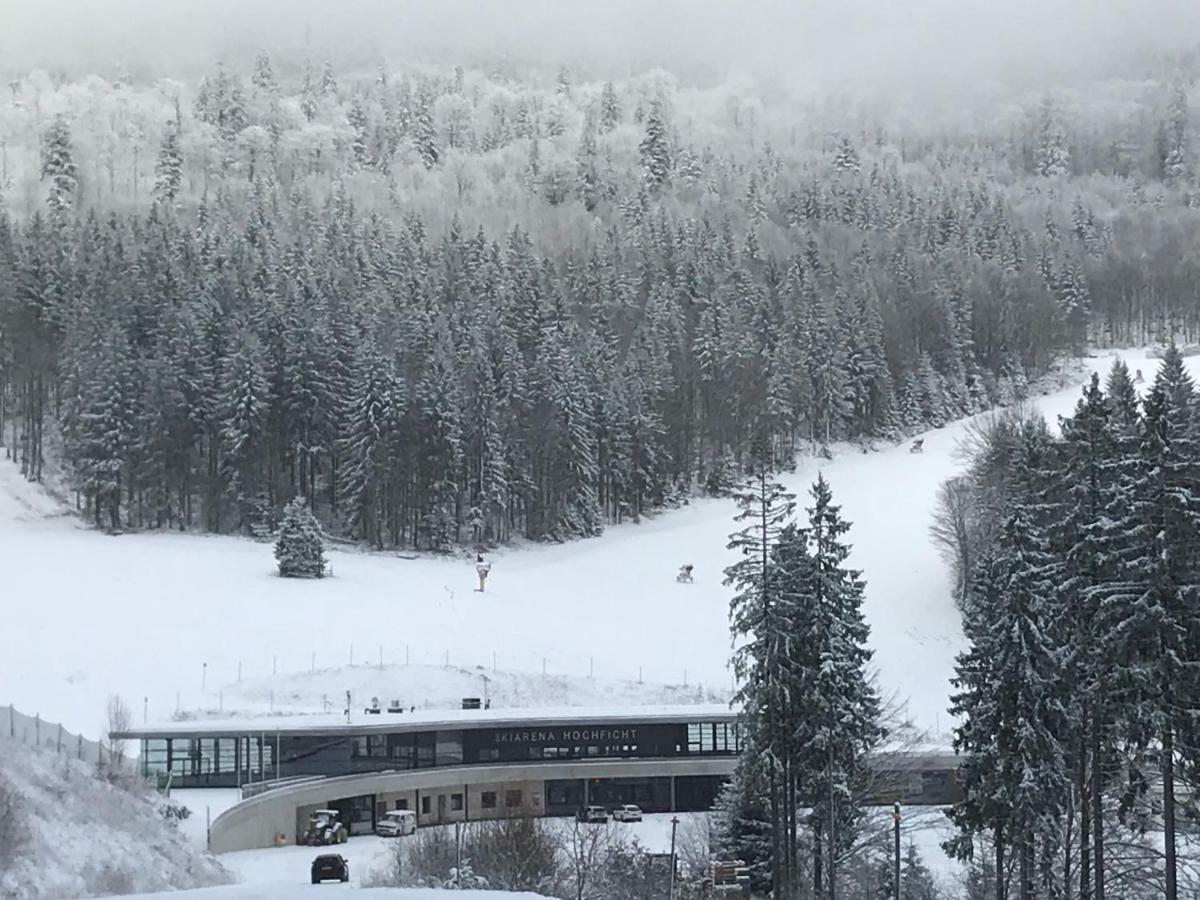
[[429, 720]]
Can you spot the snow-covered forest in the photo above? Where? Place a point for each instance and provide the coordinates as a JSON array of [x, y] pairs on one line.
[[466, 303]]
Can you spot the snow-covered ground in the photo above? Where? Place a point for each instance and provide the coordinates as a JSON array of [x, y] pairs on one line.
[[141, 614], [287, 891], [76, 834]]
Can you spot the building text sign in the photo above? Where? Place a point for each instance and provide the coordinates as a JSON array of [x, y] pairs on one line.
[[566, 736]]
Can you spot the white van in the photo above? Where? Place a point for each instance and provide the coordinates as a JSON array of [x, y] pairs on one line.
[[397, 823]]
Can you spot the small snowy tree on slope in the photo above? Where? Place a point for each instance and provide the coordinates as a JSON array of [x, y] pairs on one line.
[[299, 549]]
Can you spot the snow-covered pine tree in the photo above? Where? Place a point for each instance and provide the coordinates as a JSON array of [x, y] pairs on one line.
[[610, 108], [369, 432], [356, 118], [1087, 451], [168, 170], [264, 76], [1011, 702], [742, 817], [655, 148], [845, 159], [916, 880], [424, 132], [1149, 613], [756, 613], [328, 86], [300, 550], [838, 718], [245, 407], [58, 166], [308, 96], [1052, 155], [1174, 135]]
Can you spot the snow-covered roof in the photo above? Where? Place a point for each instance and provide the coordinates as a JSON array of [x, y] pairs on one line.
[[433, 719]]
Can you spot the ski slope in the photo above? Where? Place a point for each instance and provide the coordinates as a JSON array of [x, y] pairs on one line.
[[168, 620]]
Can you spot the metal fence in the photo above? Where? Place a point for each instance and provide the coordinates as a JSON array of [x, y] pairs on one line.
[[35, 731]]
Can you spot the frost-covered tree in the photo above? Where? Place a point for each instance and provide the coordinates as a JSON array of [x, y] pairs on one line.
[[610, 108], [1052, 153], [845, 159], [655, 148], [300, 550], [58, 166], [168, 170]]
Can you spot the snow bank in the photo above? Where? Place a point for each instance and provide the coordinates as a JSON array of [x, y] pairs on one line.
[[82, 836]]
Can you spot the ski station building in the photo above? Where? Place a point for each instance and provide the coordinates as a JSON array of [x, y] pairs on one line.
[[460, 765]]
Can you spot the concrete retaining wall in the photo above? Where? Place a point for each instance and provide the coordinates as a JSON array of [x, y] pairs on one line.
[[256, 822]]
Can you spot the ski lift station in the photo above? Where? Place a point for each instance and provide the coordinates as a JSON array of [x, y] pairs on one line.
[[469, 764]]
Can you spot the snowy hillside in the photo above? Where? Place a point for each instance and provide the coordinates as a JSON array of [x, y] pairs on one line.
[[141, 614], [68, 834], [441, 687]]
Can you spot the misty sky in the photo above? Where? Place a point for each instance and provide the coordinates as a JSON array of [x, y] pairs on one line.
[[807, 41]]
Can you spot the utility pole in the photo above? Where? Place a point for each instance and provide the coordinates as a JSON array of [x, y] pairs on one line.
[[896, 861], [671, 889]]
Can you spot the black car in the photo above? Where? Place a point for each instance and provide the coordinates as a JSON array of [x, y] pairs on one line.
[[330, 867]]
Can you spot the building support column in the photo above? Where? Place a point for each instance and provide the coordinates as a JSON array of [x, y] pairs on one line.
[[674, 807]]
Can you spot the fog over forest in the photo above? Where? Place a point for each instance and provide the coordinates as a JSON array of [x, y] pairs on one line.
[[932, 44]]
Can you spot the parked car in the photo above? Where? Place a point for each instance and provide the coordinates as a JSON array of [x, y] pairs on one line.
[[627, 813], [330, 867], [397, 823], [593, 814]]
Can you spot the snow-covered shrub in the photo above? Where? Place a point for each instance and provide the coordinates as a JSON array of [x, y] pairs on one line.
[[300, 550], [13, 826], [465, 879]]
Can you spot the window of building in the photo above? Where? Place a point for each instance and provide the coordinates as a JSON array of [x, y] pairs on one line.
[[425, 807], [378, 745], [456, 802], [401, 804], [360, 747], [487, 799], [512, 799]]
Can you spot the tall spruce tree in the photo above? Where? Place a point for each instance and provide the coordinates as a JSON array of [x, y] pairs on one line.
[[1150, 611], [757, 621]]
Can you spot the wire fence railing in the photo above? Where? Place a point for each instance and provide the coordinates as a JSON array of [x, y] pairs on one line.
[[34, 731]]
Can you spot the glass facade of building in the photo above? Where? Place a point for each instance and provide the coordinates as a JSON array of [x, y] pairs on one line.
[[233, 761]]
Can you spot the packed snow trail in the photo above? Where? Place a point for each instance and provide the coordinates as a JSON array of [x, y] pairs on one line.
[[140, 614]]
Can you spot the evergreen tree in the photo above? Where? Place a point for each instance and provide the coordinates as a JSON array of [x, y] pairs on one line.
[[610, 108], [1052, 155], [328, 86], [846, 160], [1149, 612], [264, 76], [168, 171], [424, 133], [843, 709], [757, 617], [916, 881], [58, 166], [299, 549], [1174, 133], [245, 410], [655, 148]]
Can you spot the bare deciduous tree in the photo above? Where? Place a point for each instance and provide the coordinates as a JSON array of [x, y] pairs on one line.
[[117, 719]]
